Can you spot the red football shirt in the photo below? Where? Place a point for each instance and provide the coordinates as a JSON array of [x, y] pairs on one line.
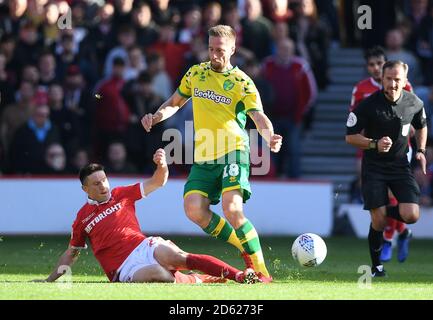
[[365, 88], [112, 227]]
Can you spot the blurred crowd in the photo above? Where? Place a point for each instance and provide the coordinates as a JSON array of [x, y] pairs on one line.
[[76, 76]]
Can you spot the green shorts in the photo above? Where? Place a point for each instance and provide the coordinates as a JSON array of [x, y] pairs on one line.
[[213, 179]]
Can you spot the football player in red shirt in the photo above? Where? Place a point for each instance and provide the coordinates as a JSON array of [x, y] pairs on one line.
[[375, 58], [109, 221]]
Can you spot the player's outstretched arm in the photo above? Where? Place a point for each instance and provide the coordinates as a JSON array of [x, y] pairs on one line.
[[165, 111], [266, 130], [66, 260], [160, 175]]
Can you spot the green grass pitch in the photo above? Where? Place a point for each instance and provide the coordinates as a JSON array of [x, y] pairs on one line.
[[33, 257]]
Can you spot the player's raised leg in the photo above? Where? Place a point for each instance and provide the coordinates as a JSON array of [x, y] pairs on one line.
[[245, 231], [196, 207]]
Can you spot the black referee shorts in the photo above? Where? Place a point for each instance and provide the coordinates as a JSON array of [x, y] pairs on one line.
[[377, 179]]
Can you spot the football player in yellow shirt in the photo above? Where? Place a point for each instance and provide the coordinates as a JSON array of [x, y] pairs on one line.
[[222, 97]]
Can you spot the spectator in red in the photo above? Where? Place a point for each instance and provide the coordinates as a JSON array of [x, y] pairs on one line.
[[295, 92], [112, 115], [173, 53]]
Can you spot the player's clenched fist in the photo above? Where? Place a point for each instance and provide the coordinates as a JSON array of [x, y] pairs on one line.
[[384, 144], [159, 158], [147, 121], [275, 143]]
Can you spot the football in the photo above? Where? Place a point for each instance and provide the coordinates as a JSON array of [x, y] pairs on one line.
[[309, 250]]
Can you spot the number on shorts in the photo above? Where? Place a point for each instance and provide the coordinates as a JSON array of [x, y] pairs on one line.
[[233, 170]]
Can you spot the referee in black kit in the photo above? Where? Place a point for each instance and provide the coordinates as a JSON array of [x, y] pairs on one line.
[[380, 126]]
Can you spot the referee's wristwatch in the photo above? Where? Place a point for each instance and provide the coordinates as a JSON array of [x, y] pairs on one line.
[[421, 151], [372, 144]]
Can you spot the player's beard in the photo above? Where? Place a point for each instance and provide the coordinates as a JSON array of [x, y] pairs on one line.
[[392, 95], [377, 77], [216, 66]]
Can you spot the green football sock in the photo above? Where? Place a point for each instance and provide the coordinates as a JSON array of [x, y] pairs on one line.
[[219, 228], [249, 239]]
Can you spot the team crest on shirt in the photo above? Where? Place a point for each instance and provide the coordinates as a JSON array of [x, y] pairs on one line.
[[351, 120], [228, 85]]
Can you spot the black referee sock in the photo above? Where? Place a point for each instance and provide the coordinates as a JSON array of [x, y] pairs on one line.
[[375, 241], [394, 213]]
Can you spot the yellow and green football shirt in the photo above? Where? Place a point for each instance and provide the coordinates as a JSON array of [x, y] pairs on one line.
[[220, 102]]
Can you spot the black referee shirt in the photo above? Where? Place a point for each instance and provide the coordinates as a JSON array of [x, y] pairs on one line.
[[379, 117]]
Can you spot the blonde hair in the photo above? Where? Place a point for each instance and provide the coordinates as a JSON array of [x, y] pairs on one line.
[[222, 31]]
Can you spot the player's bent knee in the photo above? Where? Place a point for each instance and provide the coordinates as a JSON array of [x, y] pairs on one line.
[[170, 257], [197, 217], [411, 217], [196, 213], [192, 206], [233, 216]]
